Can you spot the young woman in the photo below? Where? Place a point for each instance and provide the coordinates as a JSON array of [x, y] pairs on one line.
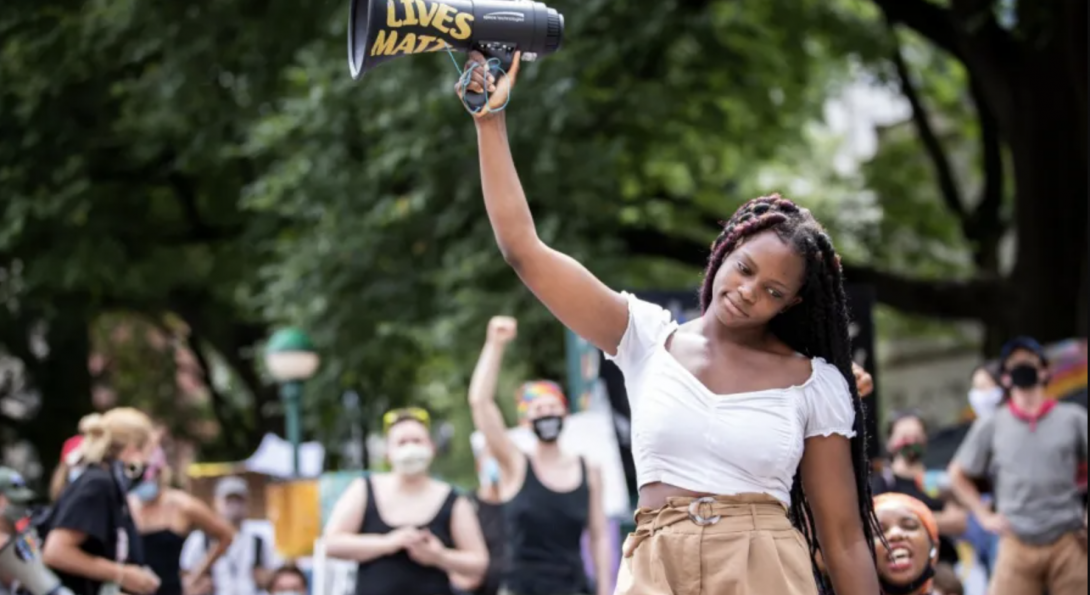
[[909, 553], [165, 517], [489, 507], [907, 446], [408, 532], [70, 467], [726, 407], [985, 394], [91, 540], [550, 497]]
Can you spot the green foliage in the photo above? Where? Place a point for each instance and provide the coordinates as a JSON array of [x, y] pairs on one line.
[[217, 163]]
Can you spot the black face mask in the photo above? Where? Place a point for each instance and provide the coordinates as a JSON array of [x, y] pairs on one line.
[[913, 453], [1025, 376], [547, 429], [128, 475], [911, 588]]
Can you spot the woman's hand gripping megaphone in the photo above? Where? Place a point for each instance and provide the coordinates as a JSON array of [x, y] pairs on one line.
[[485, 90]]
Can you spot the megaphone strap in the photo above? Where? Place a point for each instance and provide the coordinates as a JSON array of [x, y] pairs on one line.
[[466, 76]]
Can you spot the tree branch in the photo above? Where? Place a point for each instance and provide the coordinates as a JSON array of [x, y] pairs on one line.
[[929, 20], [984, 226], [221, 409], [975, 299], [948, 186]]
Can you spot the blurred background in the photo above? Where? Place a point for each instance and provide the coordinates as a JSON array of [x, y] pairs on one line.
[[180, 180]]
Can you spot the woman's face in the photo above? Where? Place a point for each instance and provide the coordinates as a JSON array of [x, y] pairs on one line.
[[288, 583], [909, 430], [408, 432], [757, 282], [545, 406], [909, 552], [136, 457], [982, 380]]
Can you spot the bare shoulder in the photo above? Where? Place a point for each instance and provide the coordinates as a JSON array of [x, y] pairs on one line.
[[594, 472], [437, 486], [180, 499], [796, 367]]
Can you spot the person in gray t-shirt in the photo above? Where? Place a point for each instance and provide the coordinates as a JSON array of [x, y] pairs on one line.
[[1032, 447]]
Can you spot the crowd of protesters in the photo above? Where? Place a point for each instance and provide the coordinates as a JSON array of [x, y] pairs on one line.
[[118, 521]]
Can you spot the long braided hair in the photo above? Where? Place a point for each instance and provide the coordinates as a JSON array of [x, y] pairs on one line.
[[817, 327]]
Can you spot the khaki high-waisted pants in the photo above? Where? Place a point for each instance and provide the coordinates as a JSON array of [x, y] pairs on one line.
[[738, 545]]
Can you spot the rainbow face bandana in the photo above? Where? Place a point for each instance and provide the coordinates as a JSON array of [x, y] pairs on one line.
[[538, 388]]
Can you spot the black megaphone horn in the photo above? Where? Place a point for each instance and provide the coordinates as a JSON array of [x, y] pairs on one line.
[[380, 30]]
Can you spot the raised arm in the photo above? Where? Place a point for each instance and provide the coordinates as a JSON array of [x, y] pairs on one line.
[[487, 416], [574, 295]]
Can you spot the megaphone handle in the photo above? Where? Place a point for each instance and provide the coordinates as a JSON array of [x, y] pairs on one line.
[[504, 56]]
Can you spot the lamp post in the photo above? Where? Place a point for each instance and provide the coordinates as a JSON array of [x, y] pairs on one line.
[[291, 359]]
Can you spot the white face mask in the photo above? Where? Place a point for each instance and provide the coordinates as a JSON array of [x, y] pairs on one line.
[[985, 401], [410, 459]]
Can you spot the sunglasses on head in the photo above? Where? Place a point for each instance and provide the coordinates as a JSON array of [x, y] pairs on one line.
[[399, 415]]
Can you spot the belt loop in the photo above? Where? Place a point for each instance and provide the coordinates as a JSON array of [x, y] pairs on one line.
[[753, 513]]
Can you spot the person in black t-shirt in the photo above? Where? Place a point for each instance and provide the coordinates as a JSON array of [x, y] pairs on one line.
[[90, 538], [907, 446]]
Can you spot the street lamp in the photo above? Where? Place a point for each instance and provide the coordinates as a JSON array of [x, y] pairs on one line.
[[292, 360]]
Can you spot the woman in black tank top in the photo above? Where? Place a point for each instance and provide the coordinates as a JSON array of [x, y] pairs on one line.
[[408, 532], [550, 498], [164, 517]]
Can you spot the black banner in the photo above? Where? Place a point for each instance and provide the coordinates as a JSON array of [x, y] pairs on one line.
[[684, 305]]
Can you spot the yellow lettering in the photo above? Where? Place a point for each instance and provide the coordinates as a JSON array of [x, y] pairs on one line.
[[463, 29], [391, 16], [410, 15], [422, 43], [407, 45], [440, 45], [384, 45], [444, 15], [426, 10]]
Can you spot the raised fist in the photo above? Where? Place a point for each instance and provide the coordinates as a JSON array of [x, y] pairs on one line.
[[502, 329], [863, 381]]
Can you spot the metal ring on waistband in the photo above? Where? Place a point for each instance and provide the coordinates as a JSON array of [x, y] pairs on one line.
[[696, 517]]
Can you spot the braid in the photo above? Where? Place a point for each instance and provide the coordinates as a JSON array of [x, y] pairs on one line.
[[817, 327]]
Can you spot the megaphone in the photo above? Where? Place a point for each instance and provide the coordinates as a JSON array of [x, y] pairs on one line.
[[380, 30], [21, 559]]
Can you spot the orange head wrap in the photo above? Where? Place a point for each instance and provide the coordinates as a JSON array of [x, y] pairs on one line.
[[893, 500]]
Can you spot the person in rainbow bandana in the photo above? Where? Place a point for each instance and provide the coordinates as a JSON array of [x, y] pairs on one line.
[[550, 497]]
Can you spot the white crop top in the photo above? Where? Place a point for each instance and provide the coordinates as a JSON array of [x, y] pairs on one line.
[[688, 437]]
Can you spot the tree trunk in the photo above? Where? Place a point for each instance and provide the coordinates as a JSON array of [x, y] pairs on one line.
[[1046, 132], [64, 382]]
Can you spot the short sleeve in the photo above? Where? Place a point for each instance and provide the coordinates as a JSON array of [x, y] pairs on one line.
[[975, 453], [648, 327], [192, 551], [829, 406], [86, 507], [1081, 427]]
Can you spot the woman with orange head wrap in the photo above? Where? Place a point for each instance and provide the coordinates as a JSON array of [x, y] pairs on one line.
[[909, 553]]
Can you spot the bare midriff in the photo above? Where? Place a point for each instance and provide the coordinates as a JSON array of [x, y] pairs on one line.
[[654, 495]]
